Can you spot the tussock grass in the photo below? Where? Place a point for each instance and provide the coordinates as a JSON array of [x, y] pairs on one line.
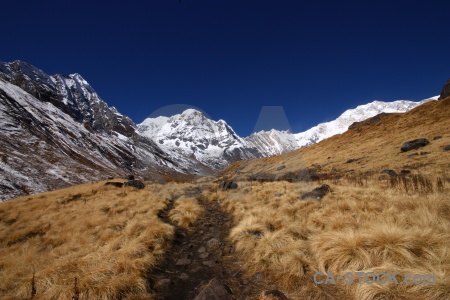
[[354, 229], [185, 212], [107, 239]]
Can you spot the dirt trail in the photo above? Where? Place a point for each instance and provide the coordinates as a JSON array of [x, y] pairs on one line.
[[190, 263]]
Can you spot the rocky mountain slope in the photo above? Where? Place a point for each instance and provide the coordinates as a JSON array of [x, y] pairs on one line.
[[57, 131]]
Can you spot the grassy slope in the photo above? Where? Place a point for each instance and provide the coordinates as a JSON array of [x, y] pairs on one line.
[[107, 238], [354, 229]]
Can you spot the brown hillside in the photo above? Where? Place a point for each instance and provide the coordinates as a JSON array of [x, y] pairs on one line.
[[374, 146]]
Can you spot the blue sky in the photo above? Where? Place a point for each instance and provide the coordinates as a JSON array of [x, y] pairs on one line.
[[233, 57]]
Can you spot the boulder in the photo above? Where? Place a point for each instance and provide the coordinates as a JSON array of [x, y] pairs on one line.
[[213, 244], [447, 148], [281, 168], [135, 183], [272, 295], [129, 177], [183, 262], [317, 193], [445, 91], [389, 172], [414, 144], [116, 184], [215, 290], [227, 185]]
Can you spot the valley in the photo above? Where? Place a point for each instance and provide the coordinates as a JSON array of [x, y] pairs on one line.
[[181, 207]]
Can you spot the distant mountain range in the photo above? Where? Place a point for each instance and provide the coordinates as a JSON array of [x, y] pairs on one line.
[[56, 131], [215, 143]]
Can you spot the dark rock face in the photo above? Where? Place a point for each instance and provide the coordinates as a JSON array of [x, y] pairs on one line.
[[61, 117], [70, 93], [369, 121], [414, 144], [135, 183], [317, 193], [215, 290], [116, 184], [445, 91], [228, 185], [389, 172]]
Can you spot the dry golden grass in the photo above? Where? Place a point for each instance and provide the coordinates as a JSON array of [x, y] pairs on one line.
[[366, 229], [106, 238], [185, 212]]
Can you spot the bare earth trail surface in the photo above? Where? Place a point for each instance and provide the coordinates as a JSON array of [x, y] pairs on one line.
[[200, 254]]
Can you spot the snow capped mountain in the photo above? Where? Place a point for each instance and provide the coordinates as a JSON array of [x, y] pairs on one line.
[[273, 142], [49, 140], [192, 134], [360, 113], [70, 93], [56, 131]]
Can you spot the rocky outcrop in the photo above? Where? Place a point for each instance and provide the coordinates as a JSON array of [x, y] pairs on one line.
[[55, 134], [317, 193], [414, 144], [389, 172], [70, 93], [135, 183], [369, 121], [445, 91], [228, 185]]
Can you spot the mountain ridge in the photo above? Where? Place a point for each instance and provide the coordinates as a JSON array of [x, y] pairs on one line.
[[63, 115]]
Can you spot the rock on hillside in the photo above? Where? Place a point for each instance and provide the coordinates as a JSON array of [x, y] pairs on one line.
[[445, 91]]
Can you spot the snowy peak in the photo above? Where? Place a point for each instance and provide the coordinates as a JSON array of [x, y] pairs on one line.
[[273, 142], [215, 143], [70, 93], [19, 68], [192, 134], [358, 114]]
